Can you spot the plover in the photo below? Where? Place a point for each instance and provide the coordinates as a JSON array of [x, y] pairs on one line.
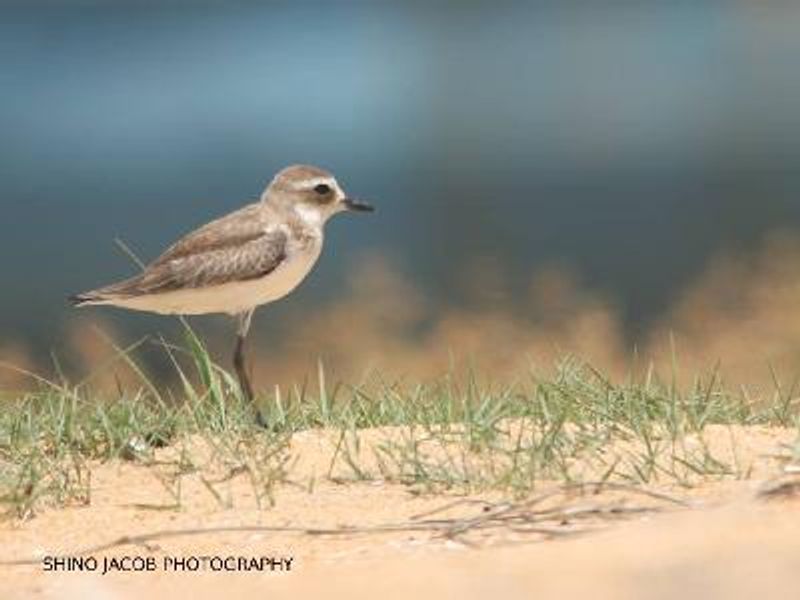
[[238, 262]]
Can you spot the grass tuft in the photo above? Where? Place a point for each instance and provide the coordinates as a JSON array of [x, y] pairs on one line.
[[458, 433]]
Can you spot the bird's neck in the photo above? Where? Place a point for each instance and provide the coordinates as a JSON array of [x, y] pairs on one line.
[[310, 217]]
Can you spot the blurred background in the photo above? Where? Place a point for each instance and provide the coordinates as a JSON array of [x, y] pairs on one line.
[[613, 179]]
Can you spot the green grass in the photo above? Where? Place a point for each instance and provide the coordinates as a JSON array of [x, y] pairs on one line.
[[458, 433]]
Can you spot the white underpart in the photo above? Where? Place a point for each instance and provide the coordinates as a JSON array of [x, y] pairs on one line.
[[234, 297]]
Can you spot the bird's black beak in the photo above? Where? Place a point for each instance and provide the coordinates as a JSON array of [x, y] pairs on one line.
[[357, 205]]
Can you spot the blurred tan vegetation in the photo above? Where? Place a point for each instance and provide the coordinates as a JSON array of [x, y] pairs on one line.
[[740, 315]]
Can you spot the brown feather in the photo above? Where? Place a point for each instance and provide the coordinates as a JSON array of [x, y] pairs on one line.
[[237, 247]]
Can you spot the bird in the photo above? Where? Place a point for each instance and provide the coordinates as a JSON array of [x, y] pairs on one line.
[[238, 262]]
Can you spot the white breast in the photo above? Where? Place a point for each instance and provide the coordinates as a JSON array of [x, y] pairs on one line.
[[234, 297]]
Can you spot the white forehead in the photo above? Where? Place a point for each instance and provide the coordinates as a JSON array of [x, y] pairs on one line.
[[308, 183]]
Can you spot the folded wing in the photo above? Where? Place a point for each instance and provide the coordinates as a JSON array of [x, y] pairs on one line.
[[238, 247]]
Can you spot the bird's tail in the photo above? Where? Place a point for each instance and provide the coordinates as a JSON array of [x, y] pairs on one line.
[[85, 299], [108, 294]]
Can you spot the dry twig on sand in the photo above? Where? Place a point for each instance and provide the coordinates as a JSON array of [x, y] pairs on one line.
[[564, 511]]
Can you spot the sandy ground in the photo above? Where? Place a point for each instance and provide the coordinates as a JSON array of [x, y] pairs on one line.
[[731, 543]]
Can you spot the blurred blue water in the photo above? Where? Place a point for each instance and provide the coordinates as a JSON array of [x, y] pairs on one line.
[[629, 140]]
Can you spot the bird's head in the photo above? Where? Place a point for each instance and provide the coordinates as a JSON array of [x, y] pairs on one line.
[[311, 193]]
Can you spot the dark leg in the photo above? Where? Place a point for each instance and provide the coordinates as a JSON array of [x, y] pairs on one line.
[[238, 355], [241, 369], [240, 365]]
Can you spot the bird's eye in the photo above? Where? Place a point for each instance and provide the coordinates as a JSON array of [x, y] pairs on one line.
[[322, 188]]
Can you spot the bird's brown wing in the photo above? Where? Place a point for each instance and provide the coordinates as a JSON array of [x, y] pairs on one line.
[[237, 228], [243, 261], [238, 247]]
